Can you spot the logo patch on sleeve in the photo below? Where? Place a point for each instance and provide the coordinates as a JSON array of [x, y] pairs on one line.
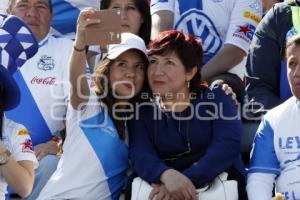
[[27, 146], [23, 132], [252, 16], [245, 32]]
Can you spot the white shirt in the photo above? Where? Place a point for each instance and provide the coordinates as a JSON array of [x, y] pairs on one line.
[[95, 160], [17, 140], [216, 22], [46, 77], [276, 148]]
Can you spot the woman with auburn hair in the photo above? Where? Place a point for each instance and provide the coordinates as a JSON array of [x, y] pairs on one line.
[[191, 133]]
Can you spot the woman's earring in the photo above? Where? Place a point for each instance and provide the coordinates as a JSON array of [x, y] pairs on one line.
[[188, 84]]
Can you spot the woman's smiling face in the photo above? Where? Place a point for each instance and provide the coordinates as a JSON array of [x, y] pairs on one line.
[[127, 74]]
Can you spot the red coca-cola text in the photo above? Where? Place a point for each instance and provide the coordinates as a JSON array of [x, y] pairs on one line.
[[43, 81]]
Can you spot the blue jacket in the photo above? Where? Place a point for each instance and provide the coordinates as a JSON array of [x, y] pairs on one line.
[[215, 140], [266, 72]]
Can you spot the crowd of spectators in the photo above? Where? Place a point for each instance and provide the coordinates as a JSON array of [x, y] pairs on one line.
[[144, 108]]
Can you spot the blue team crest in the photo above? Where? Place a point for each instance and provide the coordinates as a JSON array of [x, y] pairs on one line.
[[46, 63], [199, 24]]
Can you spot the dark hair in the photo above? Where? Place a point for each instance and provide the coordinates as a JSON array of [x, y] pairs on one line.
[[187, 48], [295, 40], [144, 9], [103, 71]]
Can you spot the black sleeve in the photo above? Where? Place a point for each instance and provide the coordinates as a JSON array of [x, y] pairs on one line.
[[265, 55]]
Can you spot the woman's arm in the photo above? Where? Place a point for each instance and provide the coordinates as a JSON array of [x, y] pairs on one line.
[[19, 175], [224, 148], [80, 90], [142, 152], [260, 186]]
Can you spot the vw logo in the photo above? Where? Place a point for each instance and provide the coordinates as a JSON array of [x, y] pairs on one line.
[[199, 24]]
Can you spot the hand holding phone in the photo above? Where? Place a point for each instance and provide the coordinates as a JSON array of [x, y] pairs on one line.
[[108, 31]]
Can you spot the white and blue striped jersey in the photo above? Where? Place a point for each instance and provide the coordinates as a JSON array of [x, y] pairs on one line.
[[43, 82], [216, 22], [94, 160], [276, 148]]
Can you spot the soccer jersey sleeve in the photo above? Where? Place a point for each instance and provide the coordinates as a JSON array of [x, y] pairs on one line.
[[245, 16], [263, 155], [22, 148], [159, 5]]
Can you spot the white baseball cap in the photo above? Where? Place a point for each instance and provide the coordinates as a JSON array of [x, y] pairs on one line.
[[128, 41]]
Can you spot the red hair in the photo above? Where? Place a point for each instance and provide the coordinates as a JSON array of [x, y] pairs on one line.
[[187, 48]]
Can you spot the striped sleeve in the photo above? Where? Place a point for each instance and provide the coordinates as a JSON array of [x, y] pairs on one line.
[[263, 156]]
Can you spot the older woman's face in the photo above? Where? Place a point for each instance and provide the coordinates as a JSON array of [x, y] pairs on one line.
[[293, 69], [167, 75]]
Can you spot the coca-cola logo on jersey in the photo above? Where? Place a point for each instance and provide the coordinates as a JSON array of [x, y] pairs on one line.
[[43, 81]]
